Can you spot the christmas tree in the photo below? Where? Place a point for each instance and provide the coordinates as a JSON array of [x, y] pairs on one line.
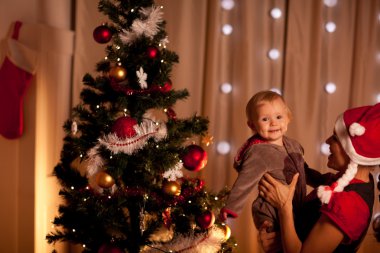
[[125, 150]]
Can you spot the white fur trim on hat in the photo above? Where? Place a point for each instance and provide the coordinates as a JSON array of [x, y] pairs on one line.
[[357, 142], [356, 129], [345, 140]]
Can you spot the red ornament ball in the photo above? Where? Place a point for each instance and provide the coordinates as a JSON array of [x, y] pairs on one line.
[[152, 52], [106, 248], [171, 113], [206, 219], [166, 87], [102, 34], [123, 127], [194, 158]]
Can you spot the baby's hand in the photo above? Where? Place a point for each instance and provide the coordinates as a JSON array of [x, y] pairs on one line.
[[225, 213]]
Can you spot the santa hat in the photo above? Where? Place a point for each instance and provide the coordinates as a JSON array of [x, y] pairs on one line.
[[358, 131]]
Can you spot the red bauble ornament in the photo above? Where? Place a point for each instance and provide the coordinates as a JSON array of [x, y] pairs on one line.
[[171, 113], [123, 127], [166, 87], [194, 158], [206, 219], [152, 52], [102, 34], [106, 248]]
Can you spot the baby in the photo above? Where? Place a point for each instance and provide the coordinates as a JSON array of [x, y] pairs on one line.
[[267, 150]]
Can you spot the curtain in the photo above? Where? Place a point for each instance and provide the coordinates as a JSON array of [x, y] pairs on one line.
[[309, 58]]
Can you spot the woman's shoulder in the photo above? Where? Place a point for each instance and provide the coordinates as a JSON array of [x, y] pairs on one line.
[[349, 211]]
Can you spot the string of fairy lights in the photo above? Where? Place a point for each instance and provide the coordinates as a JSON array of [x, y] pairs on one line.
[[224, 147], [330, 87]]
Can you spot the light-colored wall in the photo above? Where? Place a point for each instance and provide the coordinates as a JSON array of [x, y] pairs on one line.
[[26, 189], [16, 156], [11, 10]]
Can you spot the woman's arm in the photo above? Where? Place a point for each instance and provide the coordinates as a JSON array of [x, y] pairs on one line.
[[324, 237], [281, 196], [314, 178]]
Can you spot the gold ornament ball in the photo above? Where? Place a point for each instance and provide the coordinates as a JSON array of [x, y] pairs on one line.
[[172, 188], [227, 231], [104, 180], [118, 73]]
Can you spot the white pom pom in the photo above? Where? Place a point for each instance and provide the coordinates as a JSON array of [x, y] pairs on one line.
[[324, 194], [356, 129]]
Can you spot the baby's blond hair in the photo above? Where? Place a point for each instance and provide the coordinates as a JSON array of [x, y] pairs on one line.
[[266, 95]]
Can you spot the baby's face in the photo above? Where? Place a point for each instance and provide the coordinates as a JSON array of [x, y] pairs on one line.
[[271, 120]]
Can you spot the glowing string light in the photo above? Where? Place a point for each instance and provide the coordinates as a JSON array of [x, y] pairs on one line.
[[223, 147], [330, 27], [278, 91], [276, 13], [274, 54], [226, 88], [330, 3], [325, 148], [227, 29], [330, 87], [227, 4]]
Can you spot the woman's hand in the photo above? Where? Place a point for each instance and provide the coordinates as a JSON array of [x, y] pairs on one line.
[[277, 194]]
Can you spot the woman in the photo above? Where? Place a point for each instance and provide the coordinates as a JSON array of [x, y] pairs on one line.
[[337, 216]]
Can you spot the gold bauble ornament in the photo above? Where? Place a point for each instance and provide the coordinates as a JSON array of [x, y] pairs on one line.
[[118, 73], [227, 231], [172, 188], [104, 180]]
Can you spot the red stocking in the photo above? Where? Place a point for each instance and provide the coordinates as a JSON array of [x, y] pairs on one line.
[[13, 84]]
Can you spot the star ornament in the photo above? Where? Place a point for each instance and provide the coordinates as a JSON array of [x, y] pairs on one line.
[[174, 173], [142, 76], [207, 140]]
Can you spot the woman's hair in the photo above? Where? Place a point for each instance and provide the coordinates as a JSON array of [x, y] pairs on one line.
[[266, 95]]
